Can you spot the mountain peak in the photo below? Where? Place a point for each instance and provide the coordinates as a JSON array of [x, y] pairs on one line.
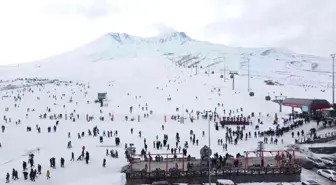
[[123, 38], [180, 36], [119, 37], [176, 34]]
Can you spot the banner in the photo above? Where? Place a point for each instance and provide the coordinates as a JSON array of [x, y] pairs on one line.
[[305, 108]]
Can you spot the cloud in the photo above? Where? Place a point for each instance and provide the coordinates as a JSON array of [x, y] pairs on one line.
[[40, 28], [303, 25], [162, 28], [89, 9]]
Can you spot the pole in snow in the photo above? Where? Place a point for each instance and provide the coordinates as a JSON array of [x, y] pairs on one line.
[[232, 75], [224, 73], [248, 75], [333, 78], [224, 69], [210, 155]]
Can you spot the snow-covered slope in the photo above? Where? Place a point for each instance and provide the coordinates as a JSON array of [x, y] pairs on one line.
[[265, 63], [137, 71]]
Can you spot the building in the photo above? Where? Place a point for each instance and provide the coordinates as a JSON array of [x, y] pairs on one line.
[[101, 97], [306, 105]]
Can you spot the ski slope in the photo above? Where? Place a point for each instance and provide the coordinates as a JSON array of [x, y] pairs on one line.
[[125, 72]]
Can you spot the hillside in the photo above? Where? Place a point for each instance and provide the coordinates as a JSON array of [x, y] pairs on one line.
[[277, 64], [154, 76]]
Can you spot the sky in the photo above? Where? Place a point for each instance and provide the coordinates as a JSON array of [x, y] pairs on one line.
[[36, 29]]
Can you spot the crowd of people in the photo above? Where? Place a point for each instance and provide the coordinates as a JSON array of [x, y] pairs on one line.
[[231, 136]]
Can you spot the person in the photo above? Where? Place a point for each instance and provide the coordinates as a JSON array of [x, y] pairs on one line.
[[48, 174], [39, 169], [62, 162], [7, 178], [72, 156], [25, 175], [104, 163]]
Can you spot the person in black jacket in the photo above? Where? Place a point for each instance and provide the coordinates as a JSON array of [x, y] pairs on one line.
[[25, 175], [39, 169], [104, 163], [7, 178], [24, 165], [72, 156], [62, 162]]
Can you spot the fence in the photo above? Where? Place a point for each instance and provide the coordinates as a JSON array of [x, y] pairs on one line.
[[321, 138], [290, 174]]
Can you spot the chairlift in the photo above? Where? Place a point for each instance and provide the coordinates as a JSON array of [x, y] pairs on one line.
[[267, 98], [251, 94]]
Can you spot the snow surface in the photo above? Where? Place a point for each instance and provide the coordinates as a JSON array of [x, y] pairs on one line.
[[119, 64]]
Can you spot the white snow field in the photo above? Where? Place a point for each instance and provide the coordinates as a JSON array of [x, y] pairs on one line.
[[155, 69]]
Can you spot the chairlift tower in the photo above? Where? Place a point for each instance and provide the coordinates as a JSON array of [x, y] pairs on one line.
[[260, 148], [224, 73], [248, 75], [224, 69], [210, 153], [279, 100], [232, 75], [333, 78], [196, 66]]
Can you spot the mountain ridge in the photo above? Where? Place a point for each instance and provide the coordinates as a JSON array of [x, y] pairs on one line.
[[182, 50], [124, 38]]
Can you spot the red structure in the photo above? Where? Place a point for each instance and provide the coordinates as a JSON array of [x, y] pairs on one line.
[[311, 103], [137, 159], [234, 121], [277, 157]]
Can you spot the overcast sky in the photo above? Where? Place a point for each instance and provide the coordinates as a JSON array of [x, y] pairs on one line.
[[34, 29]]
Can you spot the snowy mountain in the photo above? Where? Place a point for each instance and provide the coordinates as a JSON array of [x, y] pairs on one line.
[[265, 63], [157, 73]]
